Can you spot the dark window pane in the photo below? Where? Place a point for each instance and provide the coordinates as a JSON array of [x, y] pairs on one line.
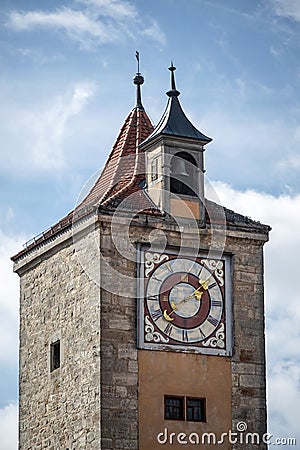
[[183, 174], [54, 355], [174, 408], [195, 409]]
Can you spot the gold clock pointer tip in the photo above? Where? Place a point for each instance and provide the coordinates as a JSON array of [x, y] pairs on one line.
[[198, 295], [174, 307], [167, 317], [204, 284]]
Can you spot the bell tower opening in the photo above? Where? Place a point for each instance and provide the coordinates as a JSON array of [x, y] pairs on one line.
[[183, 179]]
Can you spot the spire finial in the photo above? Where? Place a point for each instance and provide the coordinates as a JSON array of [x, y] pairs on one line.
[[173, 92], [138, 80], [137, 55]]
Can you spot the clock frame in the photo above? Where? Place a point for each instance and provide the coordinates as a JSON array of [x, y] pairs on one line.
[[184, 301]]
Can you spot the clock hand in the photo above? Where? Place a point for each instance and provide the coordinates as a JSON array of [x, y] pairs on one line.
[[175, 308], [196, 293], [204, 283], [167, 316]]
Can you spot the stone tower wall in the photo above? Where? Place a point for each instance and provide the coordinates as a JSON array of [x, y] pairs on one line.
[[119, 374], [120, 389], [61, 409], [60, 299], [248, 361]]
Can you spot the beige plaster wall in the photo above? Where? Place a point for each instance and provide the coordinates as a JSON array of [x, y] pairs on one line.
[[182, 374]]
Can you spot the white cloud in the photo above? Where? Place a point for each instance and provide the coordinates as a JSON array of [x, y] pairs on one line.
[[282, 299], [120, 10], [9, 328], [287, 8], [93, 22], [254, 146], [50, 125], [9, 427], [237, 135], [42, 128], [9, 300], [76, 24], [290, 161], [36, 56], [9, 331], [155, 33]]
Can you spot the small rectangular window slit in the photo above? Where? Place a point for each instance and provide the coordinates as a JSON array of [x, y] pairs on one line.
[[54, 355], [154, 168]]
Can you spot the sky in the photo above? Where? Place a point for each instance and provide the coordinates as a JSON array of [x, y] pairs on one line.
[[66, 70]]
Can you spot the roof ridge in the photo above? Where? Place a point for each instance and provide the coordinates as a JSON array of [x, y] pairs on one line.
[[231, 217], [138, 139], [137, 126], [130, 117]]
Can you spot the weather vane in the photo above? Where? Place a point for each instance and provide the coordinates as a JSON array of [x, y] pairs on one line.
[[137, 55], [138, 80]]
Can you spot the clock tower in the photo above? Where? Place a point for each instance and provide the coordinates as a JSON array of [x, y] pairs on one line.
[[142, 310]]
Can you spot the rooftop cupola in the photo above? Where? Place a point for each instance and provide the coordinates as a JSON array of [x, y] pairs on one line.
[[174, 160]]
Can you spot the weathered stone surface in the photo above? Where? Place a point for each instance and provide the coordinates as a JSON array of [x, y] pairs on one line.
[[97, 383], [59, 409]]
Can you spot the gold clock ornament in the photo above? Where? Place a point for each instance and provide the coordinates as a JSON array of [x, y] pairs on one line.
[[184, 303]]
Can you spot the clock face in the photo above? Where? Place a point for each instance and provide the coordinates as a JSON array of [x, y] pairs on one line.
[[184, 304]]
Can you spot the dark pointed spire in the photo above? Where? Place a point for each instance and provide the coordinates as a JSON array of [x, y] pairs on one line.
[[174, 121], [138, 80], [173, 92]]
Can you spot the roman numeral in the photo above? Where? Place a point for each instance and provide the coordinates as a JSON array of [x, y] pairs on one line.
[[185, 278], [213, 320], [152, 297], [185, 336], [217, 303], [156, 314], [157, 279], [169, 267], [212, 285], [201, 333], [168, 329]]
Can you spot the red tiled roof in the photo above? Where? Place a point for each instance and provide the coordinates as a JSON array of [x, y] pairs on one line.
[[125, 166]]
